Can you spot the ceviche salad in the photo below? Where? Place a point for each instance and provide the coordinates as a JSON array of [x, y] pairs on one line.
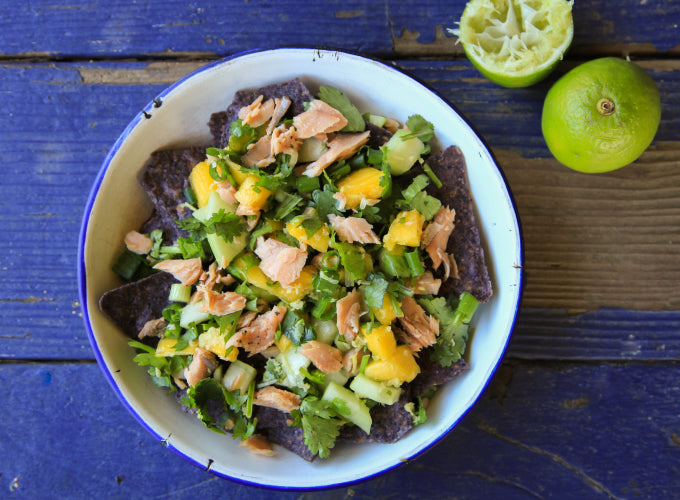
[[308, 278]]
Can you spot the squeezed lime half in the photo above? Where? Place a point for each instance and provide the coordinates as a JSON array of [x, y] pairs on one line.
[[516, 43]]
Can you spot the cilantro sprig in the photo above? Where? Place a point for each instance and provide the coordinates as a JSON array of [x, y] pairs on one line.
[[337, 99], [320, 421]]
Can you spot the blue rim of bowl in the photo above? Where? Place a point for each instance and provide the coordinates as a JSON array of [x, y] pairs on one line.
[[82, 282]]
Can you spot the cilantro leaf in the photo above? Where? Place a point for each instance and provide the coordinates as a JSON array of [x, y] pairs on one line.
[[427, 205], [273, 373], [295, 328], [160, 369], [416, 198], [453, 334], [214, 405], [325, 203], [352, 259], [319, 423], [311, 225], [335, 98], [240, 136], [320, 434], [419, 127], [374, 293], [225, 224]]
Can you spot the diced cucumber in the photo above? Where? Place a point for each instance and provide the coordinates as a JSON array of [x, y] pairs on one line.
[[217, 374], [292, 361], [341, 343], [311, 149], [325, 331], [192, 314], [223, 250], [239, 375], [367, 387], [403, 151], [359, 414], [377, 120], [340, 377]]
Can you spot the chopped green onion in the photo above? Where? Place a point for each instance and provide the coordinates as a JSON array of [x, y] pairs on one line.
[[467, 305], [364, 362], [374, 156], [432, 175], [357, 161], [330, 260], [179, 293], [251, 396], [128, 264], [419, 183], [414, 263], [219, 175], [338, 170], [316, 376], [288, 204]]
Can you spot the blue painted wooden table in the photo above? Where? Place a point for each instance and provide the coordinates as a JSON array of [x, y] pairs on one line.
[[587, 401]]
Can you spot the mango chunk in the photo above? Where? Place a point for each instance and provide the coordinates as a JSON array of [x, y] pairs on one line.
[[319, 241], [166, 348], [406, 229], [202, 182], [236, 173], [250, 195], [213, 341], [361, 184], [380, 341], [386, 313], [295, 291], [399, 368]]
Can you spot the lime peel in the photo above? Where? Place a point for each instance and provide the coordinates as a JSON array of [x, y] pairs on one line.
[[601, 115], [516, 43]]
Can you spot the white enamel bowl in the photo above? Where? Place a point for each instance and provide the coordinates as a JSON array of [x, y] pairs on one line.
[[118, 204]]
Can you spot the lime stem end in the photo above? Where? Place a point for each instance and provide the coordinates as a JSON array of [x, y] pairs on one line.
[[605, 106]]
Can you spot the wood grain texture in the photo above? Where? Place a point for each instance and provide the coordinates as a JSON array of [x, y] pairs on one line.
[[604, 334], [592, 242], [572, 431], [392, 28]]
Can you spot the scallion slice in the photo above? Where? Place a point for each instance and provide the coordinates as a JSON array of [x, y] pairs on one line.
[[179, 293]]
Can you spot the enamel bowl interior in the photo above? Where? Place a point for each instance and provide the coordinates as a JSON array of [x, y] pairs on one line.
[[117, 204]]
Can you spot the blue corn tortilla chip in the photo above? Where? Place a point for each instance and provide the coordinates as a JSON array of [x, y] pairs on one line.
[[465, 243], [273, 424], [432, 374], [131, 305], [216, 125], [390, 423], [164, 179], [294, 89], [379, 135]]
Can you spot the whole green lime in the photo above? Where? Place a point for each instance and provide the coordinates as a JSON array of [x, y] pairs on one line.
[[601, 115], [516, 43]]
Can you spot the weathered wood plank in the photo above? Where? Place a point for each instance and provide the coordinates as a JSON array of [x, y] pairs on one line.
[[592, 242], [581, 431], [610, 334], [394, 28]]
